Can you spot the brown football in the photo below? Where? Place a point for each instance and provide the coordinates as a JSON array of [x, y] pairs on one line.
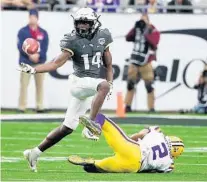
[[30, 46]]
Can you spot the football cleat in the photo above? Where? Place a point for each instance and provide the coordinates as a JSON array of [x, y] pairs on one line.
[[93, 127], [31, 157], [88, 135], [77, 160]]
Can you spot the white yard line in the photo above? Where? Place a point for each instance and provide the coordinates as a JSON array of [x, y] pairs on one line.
[[39, 180], [61, 116], [193, 155], [79, 134], [57, 159], [64, 153], [38, 139], [188, 164]]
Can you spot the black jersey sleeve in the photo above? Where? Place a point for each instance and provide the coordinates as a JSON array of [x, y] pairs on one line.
[[67, 43], [108, 38]]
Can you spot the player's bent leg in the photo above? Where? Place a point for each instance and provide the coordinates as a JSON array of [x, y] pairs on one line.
[[122, 145], [75, 108], [117, 164], [115, 136], [54, 137], [32, 155], [98, 100], [70, 123]]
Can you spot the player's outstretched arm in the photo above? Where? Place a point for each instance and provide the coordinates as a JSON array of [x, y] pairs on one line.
[[139, 135], [53, 65], [144, 132]]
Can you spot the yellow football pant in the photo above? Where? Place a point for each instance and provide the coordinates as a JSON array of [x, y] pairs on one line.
[[127, 156]]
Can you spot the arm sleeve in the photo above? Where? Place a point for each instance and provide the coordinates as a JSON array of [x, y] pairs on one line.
[[130, 37], [153, 38], [66, 44], [21, 39], [44, 47]]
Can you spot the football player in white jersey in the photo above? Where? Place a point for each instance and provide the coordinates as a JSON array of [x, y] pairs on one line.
[[146, 151], [87, 46]]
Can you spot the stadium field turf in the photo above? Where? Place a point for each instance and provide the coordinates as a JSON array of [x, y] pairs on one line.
[[53, 165]]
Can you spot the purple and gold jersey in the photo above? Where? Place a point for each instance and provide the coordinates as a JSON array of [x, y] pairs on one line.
[[156, 155]]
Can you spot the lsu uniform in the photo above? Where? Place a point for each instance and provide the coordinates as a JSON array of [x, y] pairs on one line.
[[87, 61], [151, 154], [155, 149]]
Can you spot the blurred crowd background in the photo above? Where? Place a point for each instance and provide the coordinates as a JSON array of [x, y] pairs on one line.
[[127, 6]]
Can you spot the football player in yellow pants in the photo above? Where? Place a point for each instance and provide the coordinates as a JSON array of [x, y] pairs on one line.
[[149, 150], [127, 157]]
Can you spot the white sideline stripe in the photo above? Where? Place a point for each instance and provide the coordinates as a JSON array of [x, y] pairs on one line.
[[37, 139], [79, 134], [104, 154], [166, 126], [61, 116], [31, 116], [42, 133], [80, 141], [64, 153], [188, 164], [188, 150], [56, 159], [12, 180]]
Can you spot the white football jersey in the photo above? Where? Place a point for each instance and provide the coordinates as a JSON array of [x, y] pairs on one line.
[[155, 149]]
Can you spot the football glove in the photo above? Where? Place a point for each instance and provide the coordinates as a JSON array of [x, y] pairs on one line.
[[110, 91], [26, 68]]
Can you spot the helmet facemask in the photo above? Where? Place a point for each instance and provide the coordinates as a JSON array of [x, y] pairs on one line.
[[86, 22], [177, 146], [84, 28]]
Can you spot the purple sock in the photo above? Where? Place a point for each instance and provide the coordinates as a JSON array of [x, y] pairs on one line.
[[100, 118]]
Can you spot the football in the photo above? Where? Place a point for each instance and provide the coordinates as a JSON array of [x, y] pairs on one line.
[[30, 46]]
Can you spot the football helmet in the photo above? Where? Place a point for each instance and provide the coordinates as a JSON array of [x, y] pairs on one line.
[[177, 146], [86, 16]]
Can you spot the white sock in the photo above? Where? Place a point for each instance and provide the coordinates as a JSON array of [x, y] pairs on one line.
[[37, 150]]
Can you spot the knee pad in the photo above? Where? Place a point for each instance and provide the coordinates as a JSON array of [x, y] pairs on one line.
[[149, 86], [130, 85]]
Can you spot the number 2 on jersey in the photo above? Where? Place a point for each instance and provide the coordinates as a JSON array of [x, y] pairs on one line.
[[162, 151], [95, 60]]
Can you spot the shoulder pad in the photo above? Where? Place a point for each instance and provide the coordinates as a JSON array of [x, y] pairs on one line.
[[67, 43], [69, 37], [105, 31]]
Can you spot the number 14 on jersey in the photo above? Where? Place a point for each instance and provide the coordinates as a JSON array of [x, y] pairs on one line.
[[96, 60]]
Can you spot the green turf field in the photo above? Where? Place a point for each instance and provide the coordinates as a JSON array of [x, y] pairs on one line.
[[53, 166]]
